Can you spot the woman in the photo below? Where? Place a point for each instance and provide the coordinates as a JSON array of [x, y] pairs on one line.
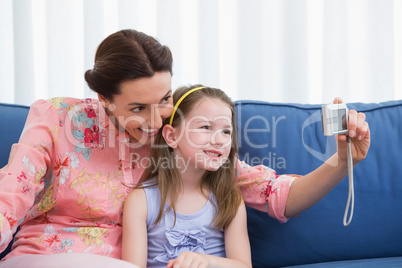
[[64, 183]]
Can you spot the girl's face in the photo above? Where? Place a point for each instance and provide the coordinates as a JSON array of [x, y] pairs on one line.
[[205, 136], [142, 106]]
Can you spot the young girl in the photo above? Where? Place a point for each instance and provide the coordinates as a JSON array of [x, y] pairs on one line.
[[186, 210]]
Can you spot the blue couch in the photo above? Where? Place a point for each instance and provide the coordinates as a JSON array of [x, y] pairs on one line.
[[288, 137]]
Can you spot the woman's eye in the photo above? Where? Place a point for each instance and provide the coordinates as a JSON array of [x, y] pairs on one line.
[[166, 100], [137, 109], [206, 127]]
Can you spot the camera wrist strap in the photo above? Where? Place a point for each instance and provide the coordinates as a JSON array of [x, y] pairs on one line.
[[351, 195]]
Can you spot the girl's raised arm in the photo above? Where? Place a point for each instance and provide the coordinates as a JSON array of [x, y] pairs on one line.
[[135, 244]]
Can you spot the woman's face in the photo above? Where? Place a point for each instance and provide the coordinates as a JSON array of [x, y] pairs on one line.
[[142, 106]]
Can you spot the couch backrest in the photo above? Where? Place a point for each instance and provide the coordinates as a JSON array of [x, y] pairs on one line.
[[289, 138], [12, 122]]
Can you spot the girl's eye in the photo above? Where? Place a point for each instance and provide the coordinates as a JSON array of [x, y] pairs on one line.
[[206, 127], [166, 100], [227, 131]]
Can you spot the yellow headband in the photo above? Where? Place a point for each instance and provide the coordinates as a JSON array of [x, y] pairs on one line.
[[180, 100]]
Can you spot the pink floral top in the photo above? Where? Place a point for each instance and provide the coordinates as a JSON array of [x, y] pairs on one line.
[[65, 182]]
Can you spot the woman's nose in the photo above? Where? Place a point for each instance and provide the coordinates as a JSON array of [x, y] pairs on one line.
[[155, 119]]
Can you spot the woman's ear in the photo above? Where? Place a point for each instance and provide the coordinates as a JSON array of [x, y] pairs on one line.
[[106, 103], [168, 133], [103, 100]]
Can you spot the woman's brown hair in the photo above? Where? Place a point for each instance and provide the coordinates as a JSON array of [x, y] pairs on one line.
[[125, 55], [222, 182]]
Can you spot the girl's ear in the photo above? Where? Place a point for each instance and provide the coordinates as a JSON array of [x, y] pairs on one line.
[[169, 134]]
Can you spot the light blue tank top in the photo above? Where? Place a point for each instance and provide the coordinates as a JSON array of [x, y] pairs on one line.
[[190, 233]]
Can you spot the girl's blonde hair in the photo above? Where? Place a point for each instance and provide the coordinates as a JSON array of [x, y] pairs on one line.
[[222, 182]]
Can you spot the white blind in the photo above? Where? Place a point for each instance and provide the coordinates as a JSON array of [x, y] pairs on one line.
[[306, 51]]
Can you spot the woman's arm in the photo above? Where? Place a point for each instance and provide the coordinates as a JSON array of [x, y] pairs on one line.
[[311, 188], [237, 247], [21, 180], [263, 190], [134, 246]]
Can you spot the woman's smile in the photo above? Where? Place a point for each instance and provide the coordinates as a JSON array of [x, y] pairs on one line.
[[140, 113]]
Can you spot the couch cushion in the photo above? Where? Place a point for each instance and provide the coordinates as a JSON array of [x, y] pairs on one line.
[[366, 263], [289, 138]]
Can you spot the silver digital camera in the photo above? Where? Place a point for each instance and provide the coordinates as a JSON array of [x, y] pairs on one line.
[[334, 119]]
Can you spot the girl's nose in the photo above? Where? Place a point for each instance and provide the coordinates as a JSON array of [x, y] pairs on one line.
[[219, 139]]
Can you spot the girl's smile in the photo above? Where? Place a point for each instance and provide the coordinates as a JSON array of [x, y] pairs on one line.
[[204, 138]]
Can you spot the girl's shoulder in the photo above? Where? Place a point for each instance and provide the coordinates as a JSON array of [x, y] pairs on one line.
[[144, 200], [149, 190], [151, 183], [135, 195]]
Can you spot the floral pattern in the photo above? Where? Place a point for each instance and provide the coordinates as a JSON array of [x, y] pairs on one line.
[[47, 201], [273, 190], [1, 221], [70, 183], [77, 203], [61, 170], [90, 136], [91, 235], [10, 220]]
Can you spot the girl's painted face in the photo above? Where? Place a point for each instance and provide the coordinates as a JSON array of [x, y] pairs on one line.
[[205, 137], [142, 106]]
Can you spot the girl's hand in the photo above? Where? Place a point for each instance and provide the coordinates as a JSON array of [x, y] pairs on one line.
[[359, 132], [189, 259]]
